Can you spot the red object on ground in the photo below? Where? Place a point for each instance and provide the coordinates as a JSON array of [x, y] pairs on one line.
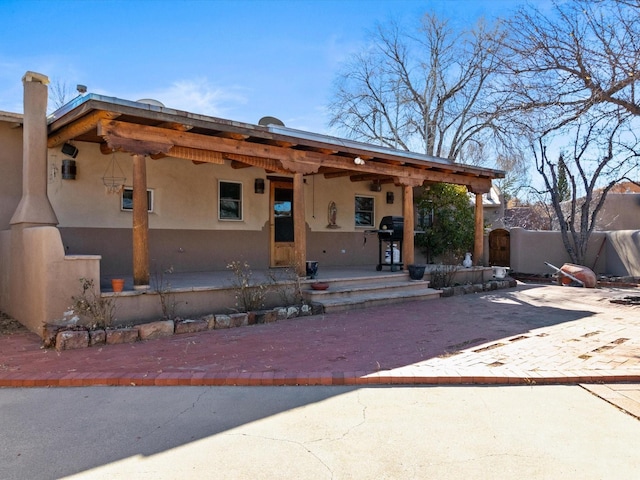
[[584, 274]]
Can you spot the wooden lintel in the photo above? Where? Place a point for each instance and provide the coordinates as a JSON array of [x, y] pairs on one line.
[[180, 127], [338, 174], [196, 155], [136, 147], [233, 135], [265, 163], [366, 177], [276, 158], [79, 127], [408, 181], [236, 165], [282, 143]]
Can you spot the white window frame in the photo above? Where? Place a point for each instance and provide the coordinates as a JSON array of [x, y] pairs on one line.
[[373, 211], [240, 202], [150, 199]]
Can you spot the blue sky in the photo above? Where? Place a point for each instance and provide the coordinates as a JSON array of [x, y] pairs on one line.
[[235, 59]]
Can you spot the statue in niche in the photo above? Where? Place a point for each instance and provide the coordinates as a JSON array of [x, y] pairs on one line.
[[332, 214]]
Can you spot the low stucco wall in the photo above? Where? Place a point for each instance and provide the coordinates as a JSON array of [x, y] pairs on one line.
[[623, 253], [38, 279], [611, 253]]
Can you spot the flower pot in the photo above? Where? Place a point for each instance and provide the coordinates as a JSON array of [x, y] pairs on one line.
[[416, 272], [319, 286], [117, 284], [312, 268]]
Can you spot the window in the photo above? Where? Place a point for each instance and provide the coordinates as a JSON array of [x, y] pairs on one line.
[[126, 203], [364, 211], [230, 200]]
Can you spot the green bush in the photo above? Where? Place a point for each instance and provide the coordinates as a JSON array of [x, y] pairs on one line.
[[447, 218]]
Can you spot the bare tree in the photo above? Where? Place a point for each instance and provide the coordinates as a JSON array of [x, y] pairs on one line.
[[428, 91], [598, 158], [572, 74], [60, 93], [584, 54]]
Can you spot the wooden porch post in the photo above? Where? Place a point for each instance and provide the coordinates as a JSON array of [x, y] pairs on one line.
[[408, 254], [478, 241], [299, 227], [140, 224]]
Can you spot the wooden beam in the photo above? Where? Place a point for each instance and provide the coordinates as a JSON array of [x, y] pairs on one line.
[[478, 238], [408, 254], [338, 174], [140, 228], [264, 163], [299, 225], [135, 146], [292, 160], [79, 127], [367, 177], [238, 165], [197, 156]]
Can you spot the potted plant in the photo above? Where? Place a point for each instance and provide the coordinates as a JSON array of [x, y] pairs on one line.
[[416, 272]]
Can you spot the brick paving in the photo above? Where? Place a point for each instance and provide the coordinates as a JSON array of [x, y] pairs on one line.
[[531, 334]]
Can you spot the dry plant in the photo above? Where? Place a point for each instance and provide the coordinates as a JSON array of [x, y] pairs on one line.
[[249, 294], [90, 305]]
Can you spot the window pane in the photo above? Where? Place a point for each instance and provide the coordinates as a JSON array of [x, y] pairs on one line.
[[364, 203], [364, 211], [127, 199], [229, 208], [364, 219], [230, 190], [230, 201]]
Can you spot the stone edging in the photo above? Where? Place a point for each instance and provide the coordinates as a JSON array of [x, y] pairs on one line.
[[62, 337]]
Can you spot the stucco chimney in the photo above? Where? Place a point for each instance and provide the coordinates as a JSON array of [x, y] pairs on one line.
[[34, 208]]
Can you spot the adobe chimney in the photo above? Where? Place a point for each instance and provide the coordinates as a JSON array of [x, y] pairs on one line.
[[34, 208]]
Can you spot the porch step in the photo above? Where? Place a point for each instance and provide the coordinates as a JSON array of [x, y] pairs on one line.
[[341, 296]]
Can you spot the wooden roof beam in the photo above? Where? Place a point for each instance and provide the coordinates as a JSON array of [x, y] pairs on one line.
[[79, 127]]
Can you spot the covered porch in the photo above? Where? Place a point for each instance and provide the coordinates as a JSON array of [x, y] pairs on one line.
[[288, 159], [202, 293]]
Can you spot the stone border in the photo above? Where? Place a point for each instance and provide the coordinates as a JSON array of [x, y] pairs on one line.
[[62, 337]]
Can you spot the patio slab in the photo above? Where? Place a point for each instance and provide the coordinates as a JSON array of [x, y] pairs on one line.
[[531, 334]]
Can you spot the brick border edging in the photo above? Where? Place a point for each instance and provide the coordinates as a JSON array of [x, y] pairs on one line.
[[77, 379]]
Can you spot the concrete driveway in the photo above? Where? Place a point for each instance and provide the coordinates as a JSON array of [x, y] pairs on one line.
[[473, 432]]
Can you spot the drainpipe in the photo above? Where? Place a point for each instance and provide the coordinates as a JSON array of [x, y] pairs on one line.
[[34, 208]]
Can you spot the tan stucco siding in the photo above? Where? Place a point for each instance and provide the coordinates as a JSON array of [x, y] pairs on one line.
[[11, 168], [186, 195]]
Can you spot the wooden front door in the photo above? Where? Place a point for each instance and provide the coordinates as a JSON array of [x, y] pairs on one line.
[[500, 248], [282, 236]]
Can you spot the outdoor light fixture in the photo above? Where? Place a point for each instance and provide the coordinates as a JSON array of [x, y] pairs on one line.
[[258, 185], [68, 169], [70, 150], [390, 198], [358, 161]]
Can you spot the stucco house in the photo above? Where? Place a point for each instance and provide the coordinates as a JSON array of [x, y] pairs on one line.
[[107, 187]]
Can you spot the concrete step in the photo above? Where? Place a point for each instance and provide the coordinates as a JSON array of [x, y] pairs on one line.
[[354, 295]]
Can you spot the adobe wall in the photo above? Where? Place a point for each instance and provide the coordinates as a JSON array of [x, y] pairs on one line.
[[530, 249], [619, 256], [37, 276], [623, 253], [621, 211], [11, 168], [186, 195]]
